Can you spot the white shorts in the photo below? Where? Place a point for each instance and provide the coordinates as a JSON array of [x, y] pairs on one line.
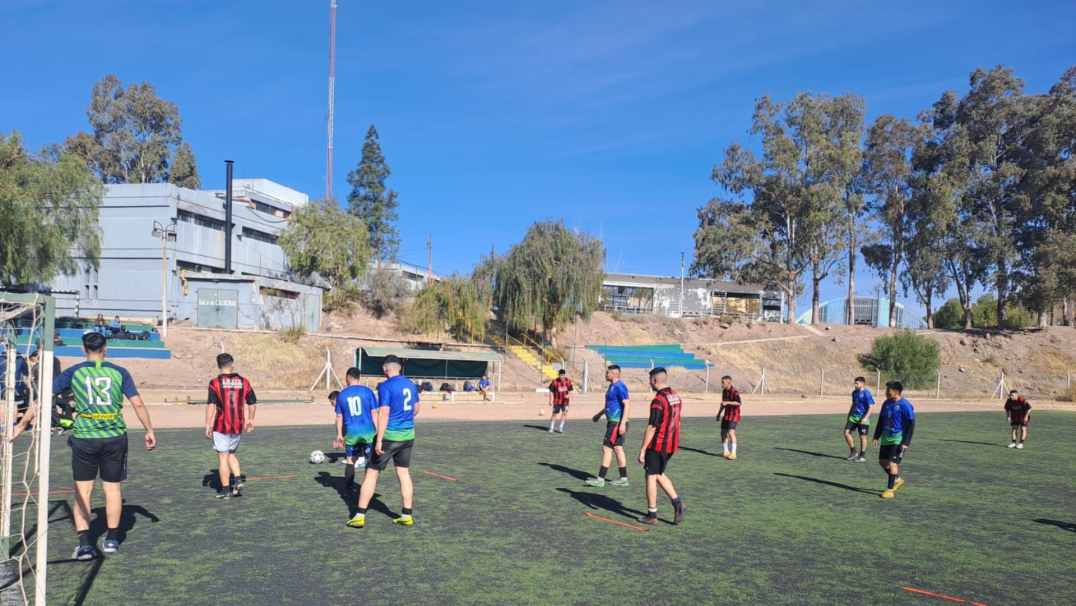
[[226, 442]]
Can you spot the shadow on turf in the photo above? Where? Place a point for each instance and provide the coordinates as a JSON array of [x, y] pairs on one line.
[[828, 483], [979, 443], [1069, 526], [87, 579], [813, 454], [538, 427], [712, 454], [575, 473], [99, 524], [351, 497], [596, 500]]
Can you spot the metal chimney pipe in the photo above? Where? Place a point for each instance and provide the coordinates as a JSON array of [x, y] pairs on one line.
[[228, 217]]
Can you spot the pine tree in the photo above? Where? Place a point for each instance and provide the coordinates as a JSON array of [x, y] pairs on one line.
[[371, 202], [184, 169]]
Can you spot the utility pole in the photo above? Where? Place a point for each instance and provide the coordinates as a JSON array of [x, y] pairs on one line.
[[332, 96], [167, 233], [681, 284], [429, 269]]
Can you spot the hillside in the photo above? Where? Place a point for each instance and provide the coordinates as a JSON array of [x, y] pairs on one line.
[[1035, 361]]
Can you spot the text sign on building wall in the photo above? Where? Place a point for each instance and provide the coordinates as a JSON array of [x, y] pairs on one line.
[[218, 308]]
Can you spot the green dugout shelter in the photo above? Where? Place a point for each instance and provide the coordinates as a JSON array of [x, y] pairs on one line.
[[430, 364]]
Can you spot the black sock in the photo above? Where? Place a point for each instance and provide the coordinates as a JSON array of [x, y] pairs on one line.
[[892, 480], [349, 474], [602, 472], [362, 511], [84, 538], [853, 450], [676, 501], [651, 512], [111, 536], [623, 472], [406, 511]]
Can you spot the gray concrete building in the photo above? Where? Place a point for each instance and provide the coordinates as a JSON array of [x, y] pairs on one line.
[[257, 292], [630, 293]]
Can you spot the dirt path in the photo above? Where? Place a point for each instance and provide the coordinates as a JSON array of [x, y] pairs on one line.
[[526, 407]]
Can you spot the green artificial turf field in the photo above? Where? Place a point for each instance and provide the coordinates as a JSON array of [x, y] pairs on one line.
[[791, 522]]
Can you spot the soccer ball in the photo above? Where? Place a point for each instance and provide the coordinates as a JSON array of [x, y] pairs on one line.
[[317, 457], [541, 413]]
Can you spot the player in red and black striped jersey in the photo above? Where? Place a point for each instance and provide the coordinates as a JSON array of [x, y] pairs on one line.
[[229, 412], [559, 397], [729, 415], [1018, 413], [660, 443]]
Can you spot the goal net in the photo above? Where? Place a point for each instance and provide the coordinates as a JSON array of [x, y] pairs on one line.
[[27, 323]]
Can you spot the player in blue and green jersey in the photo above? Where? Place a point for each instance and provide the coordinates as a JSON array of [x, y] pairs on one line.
[[896, 423], [398, 406], [617, 408], [859, 420], [99, 439], [355, 428]]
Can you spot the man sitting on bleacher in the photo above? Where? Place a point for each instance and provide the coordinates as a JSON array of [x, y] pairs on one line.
[[485, 387]]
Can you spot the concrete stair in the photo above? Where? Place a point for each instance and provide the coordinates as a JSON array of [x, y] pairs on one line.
[[527, 356]]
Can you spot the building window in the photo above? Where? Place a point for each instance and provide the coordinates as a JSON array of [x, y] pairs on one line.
[[260, 236], [270, 210], [188, 217], [198, 268], [278, 292], [630, 299]]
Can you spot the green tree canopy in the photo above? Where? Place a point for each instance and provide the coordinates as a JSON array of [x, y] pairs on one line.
[[48, 213], [550, 276], [184, 169], [372, 202], [135, 134], [324, 241], [456, 305]]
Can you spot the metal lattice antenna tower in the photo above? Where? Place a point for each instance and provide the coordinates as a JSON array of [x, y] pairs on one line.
[[332, 95]]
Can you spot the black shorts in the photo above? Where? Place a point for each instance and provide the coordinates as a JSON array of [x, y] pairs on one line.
[[107, 455], [1019, 424], [891, 452], [613, 437], [860, 428], [654, 462], [726, 425], [397, 452], [559, 408]]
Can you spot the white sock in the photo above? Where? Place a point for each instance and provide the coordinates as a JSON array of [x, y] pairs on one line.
[[725, 446], [734, 448], [551, 424], [562, 425]]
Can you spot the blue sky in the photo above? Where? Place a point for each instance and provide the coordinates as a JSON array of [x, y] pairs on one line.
[[607, 114]]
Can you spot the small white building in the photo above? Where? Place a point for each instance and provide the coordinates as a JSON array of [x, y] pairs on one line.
[[633, 293]]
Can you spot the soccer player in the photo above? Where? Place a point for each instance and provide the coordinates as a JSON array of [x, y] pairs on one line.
[[398, 405], [559, 397], [485, 387], [99, 439], [896, 422], [729, 415], [1018, 413], [228, 412], [617, 408], [355, 409], [659, 445], [859, 420]]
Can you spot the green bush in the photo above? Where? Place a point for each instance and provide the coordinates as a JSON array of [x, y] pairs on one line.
[[908, 357], [950, 316]]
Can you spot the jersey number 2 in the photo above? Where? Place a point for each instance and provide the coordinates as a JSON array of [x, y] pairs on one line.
[[407, 399]]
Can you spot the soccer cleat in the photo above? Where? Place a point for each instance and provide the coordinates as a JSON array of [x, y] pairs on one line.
[[1020, 445], [404, 520], [358, 521], [649, 519], [898, 484], [110, 546], [732, 456], [1013, 445], [224, 493], [725, 454], [560, 431], [888, 494], [83, 553], [619, 483], [679, 512], [550, 430], [852, 457], [57, 431], [596, 482], [861, 459], [237, 488]]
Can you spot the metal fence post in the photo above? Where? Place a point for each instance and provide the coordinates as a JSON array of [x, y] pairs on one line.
[[822, 381], [937, 389]]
